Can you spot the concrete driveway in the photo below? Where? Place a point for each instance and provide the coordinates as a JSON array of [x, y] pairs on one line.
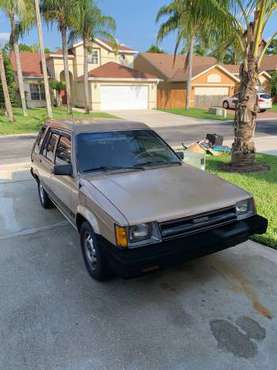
[[156, 118], [218, 312]]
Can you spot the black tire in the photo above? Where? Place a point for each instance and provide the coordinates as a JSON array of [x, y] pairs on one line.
[[93, 255], [261, 110], [44, 199], [225, 104]]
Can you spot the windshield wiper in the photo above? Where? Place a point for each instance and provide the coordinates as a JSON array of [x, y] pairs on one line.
[[114, 168], [158, 163]]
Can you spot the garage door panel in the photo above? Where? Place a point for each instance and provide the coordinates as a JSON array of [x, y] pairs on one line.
[[124, 97]]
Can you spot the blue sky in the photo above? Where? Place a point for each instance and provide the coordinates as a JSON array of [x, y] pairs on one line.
[[135, 20]]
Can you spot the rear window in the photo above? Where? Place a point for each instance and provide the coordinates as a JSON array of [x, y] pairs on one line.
[[265, 96]]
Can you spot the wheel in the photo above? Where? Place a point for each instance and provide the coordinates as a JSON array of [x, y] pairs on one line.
[[45, 201], [225, 104], [261, 110], [94, 259]]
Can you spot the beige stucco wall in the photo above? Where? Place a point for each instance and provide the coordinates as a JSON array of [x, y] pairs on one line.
[[95, 92], [56, 66], [76, 64], [105, 56]]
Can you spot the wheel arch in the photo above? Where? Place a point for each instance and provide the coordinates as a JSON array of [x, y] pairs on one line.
[[85, 215]]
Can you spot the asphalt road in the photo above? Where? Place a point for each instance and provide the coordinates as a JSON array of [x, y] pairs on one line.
[[218, 312], [18, 148]]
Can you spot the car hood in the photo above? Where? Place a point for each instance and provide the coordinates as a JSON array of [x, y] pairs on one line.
[[166, 193]]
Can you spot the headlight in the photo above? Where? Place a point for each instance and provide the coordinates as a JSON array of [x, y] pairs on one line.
[[245, 207], [137, 235]]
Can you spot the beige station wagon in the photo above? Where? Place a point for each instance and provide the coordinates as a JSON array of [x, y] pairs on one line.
[[136, 205]]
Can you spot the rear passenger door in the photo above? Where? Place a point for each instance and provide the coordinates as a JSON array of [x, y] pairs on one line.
[[64, 187], [47, 160]]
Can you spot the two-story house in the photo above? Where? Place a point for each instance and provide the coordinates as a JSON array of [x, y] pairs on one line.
[[113, 83]]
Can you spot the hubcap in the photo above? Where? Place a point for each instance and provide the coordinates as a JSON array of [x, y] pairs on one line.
[[41, 193], [90, 250]]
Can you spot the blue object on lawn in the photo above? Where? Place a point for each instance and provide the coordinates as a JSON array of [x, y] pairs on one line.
[[221, 148]]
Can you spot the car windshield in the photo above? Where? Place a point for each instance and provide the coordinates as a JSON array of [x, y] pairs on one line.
[[122, 150]]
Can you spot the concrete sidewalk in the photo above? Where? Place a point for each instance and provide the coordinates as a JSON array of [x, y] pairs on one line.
[[265, 144]]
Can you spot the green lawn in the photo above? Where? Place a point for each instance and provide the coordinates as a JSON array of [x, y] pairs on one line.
[[263, 185], [36, 117], [197, 113], [274, 108]]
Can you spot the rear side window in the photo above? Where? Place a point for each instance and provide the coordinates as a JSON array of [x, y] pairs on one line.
[[63, 151], [39, 140], [49, 149]]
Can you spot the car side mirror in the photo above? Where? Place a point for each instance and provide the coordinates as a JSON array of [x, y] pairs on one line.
[[63, 170], [180, 155]]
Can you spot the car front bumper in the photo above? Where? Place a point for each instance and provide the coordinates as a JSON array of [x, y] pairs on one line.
[[134, 262]]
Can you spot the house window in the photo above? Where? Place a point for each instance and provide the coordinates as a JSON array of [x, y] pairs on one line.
[[94, 57], [37, 92]]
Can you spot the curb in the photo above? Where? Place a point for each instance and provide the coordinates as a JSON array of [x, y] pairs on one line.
[[19, 135]]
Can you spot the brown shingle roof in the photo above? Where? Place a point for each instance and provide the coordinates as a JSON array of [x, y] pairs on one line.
[[232, 68], [115, 70], [30, 62], [181, 75], [164, 63], [269, 63]]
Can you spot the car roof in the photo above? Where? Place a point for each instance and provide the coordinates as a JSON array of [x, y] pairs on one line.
[[88, 126]]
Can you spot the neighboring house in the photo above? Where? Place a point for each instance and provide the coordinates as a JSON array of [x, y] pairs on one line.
[[114, 84], [211, 82], [33, 78], [264, 76]]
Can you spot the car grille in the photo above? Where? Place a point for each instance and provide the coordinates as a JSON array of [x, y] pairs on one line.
[[198, 223]]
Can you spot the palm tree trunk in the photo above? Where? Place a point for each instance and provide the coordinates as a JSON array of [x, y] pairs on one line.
[[188, 85], [43, 61], [243, 148], [5, 88], [66, 69], [86, 84], [18, 66]]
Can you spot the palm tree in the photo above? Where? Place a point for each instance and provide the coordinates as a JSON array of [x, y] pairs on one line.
[[62, 12], [89, 24], [245, 22], [191, 20], [5, 88], [43, 61], [20, 16]]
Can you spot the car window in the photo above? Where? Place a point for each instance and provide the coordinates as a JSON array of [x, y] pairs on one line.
[[265, 96], [63, 151], [39, 140], [49, 150], [122, 149]]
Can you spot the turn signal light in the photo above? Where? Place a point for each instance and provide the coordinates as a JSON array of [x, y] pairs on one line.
[[121, 236]]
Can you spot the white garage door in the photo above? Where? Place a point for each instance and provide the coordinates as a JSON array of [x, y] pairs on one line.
[[219, 91], [124, 97]]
